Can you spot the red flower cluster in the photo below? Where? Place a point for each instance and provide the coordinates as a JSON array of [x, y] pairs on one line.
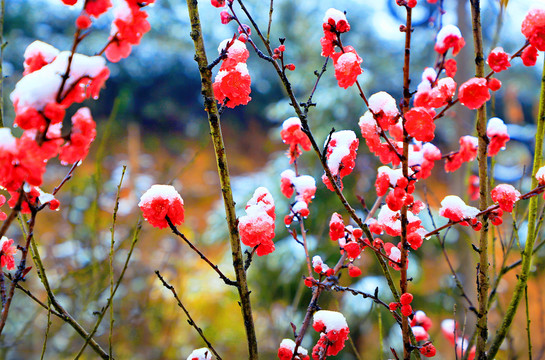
[[341, 156], [286, 349], [533, 28], [347, 66], [82, 135], [449, 37], [128, 27], [456, 210], [256, 228], [7, 259], [468, 152], [474, 93], [232, 83], [292, 135], [334, 332], [346, 61], [498, 60], [497, 134], [304, 187], [161, 201], [419, 123], [505, 196]]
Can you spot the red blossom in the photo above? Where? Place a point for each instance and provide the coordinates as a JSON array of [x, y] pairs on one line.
[[450, 67], [83, 133], [97, 7], [533, 28], [419, 124], [218, 3], [474, 93], [529, 56], [498, 60], [233, 86], [8, 251], [347, 66], [505, 196], [161, 201]]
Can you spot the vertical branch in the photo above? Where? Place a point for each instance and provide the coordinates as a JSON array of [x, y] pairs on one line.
[[112, 242], [215, 130], [531, 235], [48, 326], [482, 276], [528, 321], [407, 347], [2, 16]]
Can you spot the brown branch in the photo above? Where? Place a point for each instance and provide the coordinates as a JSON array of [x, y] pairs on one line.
[[190, 320], [211, 108], [403, 282], [176, 232]]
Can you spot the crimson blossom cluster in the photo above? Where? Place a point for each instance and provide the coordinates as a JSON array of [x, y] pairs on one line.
[[53, 82], [400, 135]]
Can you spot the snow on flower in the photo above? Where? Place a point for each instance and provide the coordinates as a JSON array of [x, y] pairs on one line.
[[347, 66], [236, 53], [336, 20], [320, 267], [257, 226], [334, 332], [384, 108], [233, 86], [390, 221], [387, 178], [498, 60], [449, 37], [160, 202], [421, 319], [293, 135], [533, 28], [341, 155], [200, 354], [37, 91], [304, 187], [505, 196], [336, 227], [37, 55], [540, 175], [286, 349], [474, 93], [497, 134], [455, 209]]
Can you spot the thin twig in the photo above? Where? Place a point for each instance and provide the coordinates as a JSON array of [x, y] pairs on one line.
[[109, 302], [190, 320], [48, 327], [215, 267], [112, 243]]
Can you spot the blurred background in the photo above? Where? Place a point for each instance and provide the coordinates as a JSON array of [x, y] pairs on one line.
[[150, 119]]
